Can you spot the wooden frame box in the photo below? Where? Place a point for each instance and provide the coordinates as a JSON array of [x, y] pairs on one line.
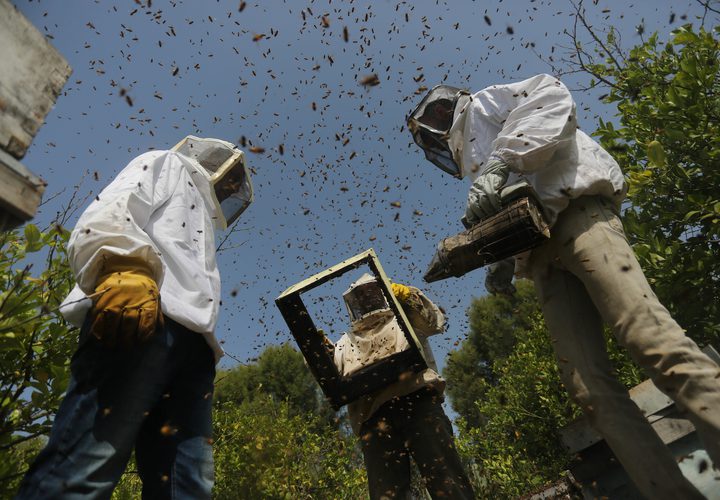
[[318, 349]]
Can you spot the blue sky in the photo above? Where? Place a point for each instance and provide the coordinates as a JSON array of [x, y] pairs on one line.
[[334, 170]]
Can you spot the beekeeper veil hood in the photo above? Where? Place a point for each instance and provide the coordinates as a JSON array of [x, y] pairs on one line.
[[430, 125], [224, 166], [364, 297]]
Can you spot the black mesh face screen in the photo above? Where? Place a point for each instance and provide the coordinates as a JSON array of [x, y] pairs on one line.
[[438, 114], [436, 151], [364, 299], [430, 124]]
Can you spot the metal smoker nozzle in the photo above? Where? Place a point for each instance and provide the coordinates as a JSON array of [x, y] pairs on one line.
[[437, 270]]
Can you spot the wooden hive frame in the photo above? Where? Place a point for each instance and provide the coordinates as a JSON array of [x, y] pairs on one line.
[[318, 349]]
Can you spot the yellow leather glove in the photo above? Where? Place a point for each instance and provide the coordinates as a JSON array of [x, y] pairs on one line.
[[126, 308], [401, 292]]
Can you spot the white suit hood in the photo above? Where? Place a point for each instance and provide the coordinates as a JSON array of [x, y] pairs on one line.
[[531, 125]]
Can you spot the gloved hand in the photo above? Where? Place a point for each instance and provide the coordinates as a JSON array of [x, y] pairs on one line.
[[327, 343], [401, 292], [484, 196], [499, 277], [126, 307]]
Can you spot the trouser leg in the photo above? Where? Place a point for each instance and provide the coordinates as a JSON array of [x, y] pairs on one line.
[[110, 394], [577, 337], [173, 450], [640, 322], [429, 437], [386, 460]]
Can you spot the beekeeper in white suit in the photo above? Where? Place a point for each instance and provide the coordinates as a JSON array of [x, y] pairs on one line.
[[147, 298], [405, 418], [586, 273]]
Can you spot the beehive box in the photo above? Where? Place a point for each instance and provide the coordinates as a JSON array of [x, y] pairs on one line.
[[32, 75], [599, 472]]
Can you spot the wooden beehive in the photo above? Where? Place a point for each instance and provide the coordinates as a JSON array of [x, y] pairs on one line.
[[601, 475], [32, 74]]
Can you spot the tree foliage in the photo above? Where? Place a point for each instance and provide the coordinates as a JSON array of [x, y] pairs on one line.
[[279, 373], [668, 144], [517, 446], [262, 450], [274, 436], [35, 342], [504, 383], [496, 321]]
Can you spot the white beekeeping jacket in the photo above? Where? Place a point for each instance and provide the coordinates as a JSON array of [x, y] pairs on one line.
[[379, 335], [158, 208], [370, 340], [531, 125]]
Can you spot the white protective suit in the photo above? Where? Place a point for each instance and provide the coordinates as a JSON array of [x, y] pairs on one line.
[[158, 208], [378, 335], [532, 127], [586, 275]]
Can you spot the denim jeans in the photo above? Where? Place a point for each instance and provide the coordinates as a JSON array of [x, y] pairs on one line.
[[586, 274], [155, 397]]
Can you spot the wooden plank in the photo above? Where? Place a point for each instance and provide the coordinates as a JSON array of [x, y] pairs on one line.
[[595, 464], [672, 427], [32, 74], [332, 272], [566, 488], [369, 258], [578, 435], [20, 191], [649, 398]]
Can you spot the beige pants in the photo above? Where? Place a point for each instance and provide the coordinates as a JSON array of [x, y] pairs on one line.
[[587, 275]]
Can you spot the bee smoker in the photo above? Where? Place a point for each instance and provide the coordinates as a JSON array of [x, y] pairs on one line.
[[517, 227]]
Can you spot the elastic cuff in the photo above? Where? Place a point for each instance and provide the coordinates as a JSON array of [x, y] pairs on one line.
[[503, 156], [123, 263]]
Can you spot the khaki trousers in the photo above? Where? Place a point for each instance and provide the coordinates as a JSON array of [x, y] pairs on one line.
[[587, 275]]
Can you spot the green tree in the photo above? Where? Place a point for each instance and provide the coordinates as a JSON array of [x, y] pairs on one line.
[[668, 144], [495, 323], [279, 373], [504, 383], [262, 450], [517, 446], [35, 343], [275, 436]]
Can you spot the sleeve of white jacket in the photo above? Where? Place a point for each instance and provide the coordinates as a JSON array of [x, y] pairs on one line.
[[425, 317], [338, 357], [537, 116], [114, 223]]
